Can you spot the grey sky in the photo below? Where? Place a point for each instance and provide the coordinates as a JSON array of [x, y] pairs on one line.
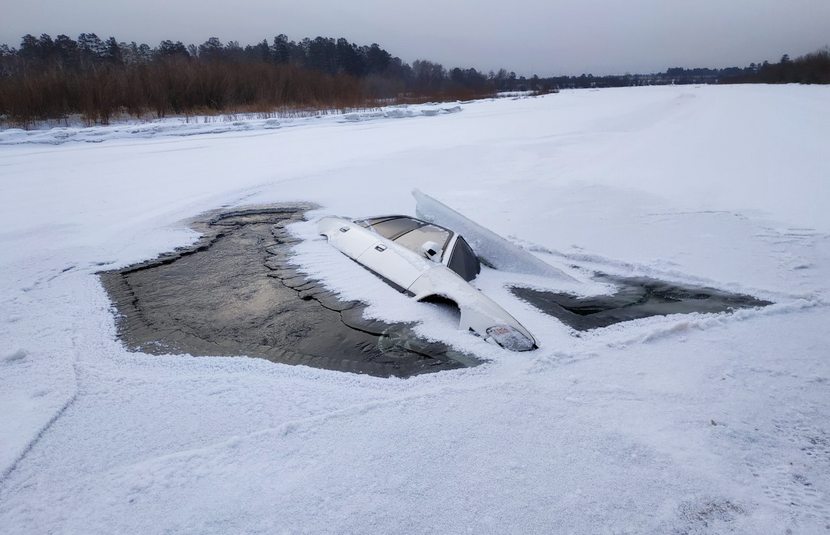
[[546, 37]]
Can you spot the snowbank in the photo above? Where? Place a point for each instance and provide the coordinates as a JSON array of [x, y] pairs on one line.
[[201, 125]]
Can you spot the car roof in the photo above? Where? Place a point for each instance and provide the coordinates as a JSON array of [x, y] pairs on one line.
[[467, 270]]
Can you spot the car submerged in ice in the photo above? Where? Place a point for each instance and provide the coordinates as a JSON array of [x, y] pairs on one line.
[[430, 263]]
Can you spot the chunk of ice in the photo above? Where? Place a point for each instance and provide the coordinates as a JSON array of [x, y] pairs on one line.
[[489, 246]]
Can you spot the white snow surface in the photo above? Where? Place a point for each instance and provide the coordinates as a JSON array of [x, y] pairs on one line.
[[678, 424]]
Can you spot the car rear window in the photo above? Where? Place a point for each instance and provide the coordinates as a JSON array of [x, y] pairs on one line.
[[374, 220], [392, 228]]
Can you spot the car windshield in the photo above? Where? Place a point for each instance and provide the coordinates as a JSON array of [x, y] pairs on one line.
[[414, 240]]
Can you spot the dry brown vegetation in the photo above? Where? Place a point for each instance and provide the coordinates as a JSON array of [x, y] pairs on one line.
[[176, 87], [48, 80]]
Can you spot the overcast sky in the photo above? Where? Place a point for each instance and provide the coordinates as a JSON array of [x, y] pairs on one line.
[[527, 36]]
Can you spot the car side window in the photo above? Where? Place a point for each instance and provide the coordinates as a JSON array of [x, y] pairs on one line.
[[464, 261]]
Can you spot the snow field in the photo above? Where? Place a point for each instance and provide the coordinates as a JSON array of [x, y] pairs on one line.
[[690, 424]]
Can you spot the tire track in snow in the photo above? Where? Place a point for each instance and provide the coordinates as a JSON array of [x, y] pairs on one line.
[[310, 423], [12, 467]]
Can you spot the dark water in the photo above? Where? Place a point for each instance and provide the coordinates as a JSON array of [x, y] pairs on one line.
[[635, 298], [236, 293]]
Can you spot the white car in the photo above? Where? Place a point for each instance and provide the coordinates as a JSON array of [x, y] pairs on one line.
[[430, 263]]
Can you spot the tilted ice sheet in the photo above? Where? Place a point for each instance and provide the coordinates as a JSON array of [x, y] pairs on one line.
[[489, 246]]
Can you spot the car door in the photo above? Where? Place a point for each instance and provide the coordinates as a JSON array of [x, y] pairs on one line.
[[397, 265]]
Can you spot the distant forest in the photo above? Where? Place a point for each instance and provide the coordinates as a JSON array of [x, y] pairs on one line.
[[53, 79], [811, 68]]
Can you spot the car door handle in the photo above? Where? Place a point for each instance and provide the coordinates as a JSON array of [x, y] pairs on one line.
[[380, 247]]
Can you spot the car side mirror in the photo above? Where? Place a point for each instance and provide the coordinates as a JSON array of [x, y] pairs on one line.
[[431, 250]]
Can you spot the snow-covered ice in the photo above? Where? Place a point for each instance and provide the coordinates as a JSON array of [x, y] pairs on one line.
[[679, 424]]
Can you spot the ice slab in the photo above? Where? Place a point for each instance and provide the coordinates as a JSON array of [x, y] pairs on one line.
[[489, 246]]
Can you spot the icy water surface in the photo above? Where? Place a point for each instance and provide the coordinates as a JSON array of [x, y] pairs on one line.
[[636, 297]]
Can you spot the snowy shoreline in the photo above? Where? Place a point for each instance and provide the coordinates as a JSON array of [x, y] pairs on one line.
[[195, 125]]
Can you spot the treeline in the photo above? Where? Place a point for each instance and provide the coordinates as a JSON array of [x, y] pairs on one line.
[[674, 75], [48, 78], [813, 68]]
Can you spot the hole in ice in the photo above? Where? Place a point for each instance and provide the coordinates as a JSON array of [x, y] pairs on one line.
[[635, 298], [236, 293]]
